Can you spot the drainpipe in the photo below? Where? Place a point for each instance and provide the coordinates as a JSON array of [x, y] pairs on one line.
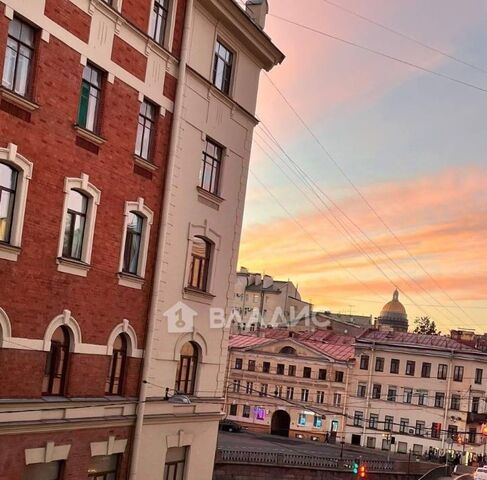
[[447, 400], [344, 410], [161, 241], [368, 394]]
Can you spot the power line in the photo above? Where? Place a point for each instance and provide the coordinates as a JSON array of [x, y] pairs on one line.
[[364, 199], [381, 54], [407, 37]]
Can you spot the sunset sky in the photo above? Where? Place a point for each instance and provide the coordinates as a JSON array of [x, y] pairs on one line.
[[412, 143]]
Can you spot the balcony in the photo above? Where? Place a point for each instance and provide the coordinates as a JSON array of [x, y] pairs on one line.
[[476, 417]]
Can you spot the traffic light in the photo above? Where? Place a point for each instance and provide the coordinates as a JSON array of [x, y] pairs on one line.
[[362, 471], [355, 468]]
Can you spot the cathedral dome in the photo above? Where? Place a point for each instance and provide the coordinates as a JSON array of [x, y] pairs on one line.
[[394, 315]]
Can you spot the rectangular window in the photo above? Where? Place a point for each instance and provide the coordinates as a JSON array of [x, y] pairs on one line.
[[435, 430], [452, 432], [289, 393], [74, 229], [422, 397], [158, 22], [339, 376], [394, 365], [388, 423], [210, 167], [337, 399], [133, 243], [105, 467], [376, 391], [291, 370], [455, 402], [420, 428], [410, 367], [280, 369], [391, 394], [475, 404], [472, 435], [361, 390], [403, 425], [408, 395], [251, 366], [306, 372], [322, 374], [426, 370], [266, 367], [249, 388], [317, 421], [364, 362], [238, 363], [304, 394], [479, 372], [442, 371], [439, 399], [302, 420], [145, 130], [373, 421], [263, 389], [200, 264], [236, 386], [90, 98], [379, 364], [278, 391], [458, 373], [43, 471], [246, 411], [222, 68], [19, 57], [358, 419], [320, 396], [233, 410]]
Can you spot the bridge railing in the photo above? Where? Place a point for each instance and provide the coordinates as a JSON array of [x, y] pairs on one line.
[[228, 455]]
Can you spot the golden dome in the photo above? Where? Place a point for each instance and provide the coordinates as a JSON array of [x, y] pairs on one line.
[[394, 308]]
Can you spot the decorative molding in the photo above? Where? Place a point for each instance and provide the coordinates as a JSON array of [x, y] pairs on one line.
[[8, 252], [110, 447], [89, 136], [209, 198], [5, 326], [130, 281], [144, 164], [45, 36], [49, 453], [126, 328], [73, 267], [9, 12], [65, 319], [182, 439], [18, 100], [198, 296]]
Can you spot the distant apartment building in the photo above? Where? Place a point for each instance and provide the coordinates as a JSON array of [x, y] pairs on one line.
[[261, 301], [412, 392], [290, 383]]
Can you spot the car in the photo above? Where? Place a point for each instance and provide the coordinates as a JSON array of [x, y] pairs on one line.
[[231, 426], [480, 473]]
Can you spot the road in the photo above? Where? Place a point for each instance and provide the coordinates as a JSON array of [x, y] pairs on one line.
[[248, 441]]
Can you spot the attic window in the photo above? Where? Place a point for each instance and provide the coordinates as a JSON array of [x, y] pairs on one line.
[[288, 351]]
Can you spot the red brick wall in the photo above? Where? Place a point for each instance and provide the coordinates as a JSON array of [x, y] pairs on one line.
[[178, 28], [137, 12], [12, 448], [32, 291], [129, 58], [70, 17], [170, 84]]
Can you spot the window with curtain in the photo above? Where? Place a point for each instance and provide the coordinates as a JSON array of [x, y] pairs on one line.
[[118, 367], [145, 130], [90, 98], [74, 229], [133, 242], [186, 370], [56, 370], [159, 21], [210, 167], [8, 187], [200, 264], [104, 467]]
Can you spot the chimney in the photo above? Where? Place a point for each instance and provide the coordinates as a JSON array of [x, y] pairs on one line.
[[257, 11]]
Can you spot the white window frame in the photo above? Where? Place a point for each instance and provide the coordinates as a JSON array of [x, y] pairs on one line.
[[83, 185], [10, 157], [171, 20], [127, 279]]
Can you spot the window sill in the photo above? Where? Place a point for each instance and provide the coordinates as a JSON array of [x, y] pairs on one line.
[[18, 100], [130, 281], [9, 252], [209, 198], [73, 267], [145, 164], [89, 136], [197, 295]]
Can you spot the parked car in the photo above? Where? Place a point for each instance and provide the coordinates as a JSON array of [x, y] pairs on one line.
[[231, 426], [480, 473]]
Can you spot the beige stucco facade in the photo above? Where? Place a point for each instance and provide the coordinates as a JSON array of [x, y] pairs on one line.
[[203, 112]]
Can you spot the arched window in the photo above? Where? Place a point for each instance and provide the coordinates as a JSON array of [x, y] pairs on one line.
[[288, 351], [118, 367], [133, 243], [55, 373], [200, 264], [186, 371], [8, 187], [74, 228]]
